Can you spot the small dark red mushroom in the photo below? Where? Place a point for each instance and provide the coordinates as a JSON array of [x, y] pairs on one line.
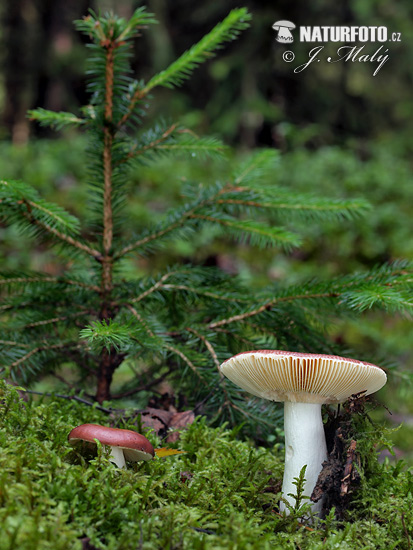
[[124, 444]]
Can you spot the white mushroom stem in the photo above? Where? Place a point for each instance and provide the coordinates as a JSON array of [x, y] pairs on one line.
[[117, 457], [305, 444]]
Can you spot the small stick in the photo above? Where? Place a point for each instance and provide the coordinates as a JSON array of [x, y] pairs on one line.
[[348, 468], [406, 532], [70, 398]]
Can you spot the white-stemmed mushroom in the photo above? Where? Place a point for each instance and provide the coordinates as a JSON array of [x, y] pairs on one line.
[[124, 444], [284, 35], [303, 381]]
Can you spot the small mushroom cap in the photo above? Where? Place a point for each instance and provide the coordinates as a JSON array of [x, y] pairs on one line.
[[135, 446], [286, 24], [302, 377]]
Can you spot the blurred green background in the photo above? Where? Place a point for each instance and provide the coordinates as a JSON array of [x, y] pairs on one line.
[[342, 132]]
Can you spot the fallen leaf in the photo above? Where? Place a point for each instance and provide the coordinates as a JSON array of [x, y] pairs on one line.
[[164, 451], [162, 421], [182, 419], [179, 420], [151, 422]]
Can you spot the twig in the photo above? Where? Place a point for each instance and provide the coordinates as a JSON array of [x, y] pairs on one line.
[[28, 280], [65, 238], [55, 319], [82, 285], [154, 287], [14, 344], [185, 358], [138, 95], [140, 319], [203, 293], [269, 305], [36, 350], [242, 316], [150, 238], [71, 398], [406, 532], [208, 345], [348, 468], [55, 280], [167, 346]]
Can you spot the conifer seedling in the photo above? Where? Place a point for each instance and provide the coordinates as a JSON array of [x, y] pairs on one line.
[[183, 322]]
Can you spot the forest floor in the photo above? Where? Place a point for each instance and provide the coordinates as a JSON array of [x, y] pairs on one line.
[[221, 493]]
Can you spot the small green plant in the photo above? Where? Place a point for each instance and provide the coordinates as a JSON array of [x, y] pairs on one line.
[[183, 322], [299, 512], [299, 496]]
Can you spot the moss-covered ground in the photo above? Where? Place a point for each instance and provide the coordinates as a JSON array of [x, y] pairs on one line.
[[221, 494]]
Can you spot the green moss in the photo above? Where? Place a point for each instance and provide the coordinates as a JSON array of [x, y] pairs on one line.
[[221, 494]]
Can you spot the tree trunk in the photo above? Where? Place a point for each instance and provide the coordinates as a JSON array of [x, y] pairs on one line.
[[109, 362]]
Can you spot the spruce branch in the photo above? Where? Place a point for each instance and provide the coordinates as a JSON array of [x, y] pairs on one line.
[[196, 147], [359, 291], [256, 167], [56, 320], [235, 22], [111, 27], [14, 344], [27, 280], [173, 140], [248, 414], [141, 320], [8, 369], [258, 234], [182, 68], [55, 120], [17, 195], [184, 357], [111, 335], [137, 150], [154, 287], [206, 293], [165, 345], [178, 221], [11, 279], [242, 316], [19, 202], [301, 205], [209, 347], [65, 238]]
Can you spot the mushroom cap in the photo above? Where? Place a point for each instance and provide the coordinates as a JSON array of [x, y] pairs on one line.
[[135, 446], [286, 24], [302, 377]]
